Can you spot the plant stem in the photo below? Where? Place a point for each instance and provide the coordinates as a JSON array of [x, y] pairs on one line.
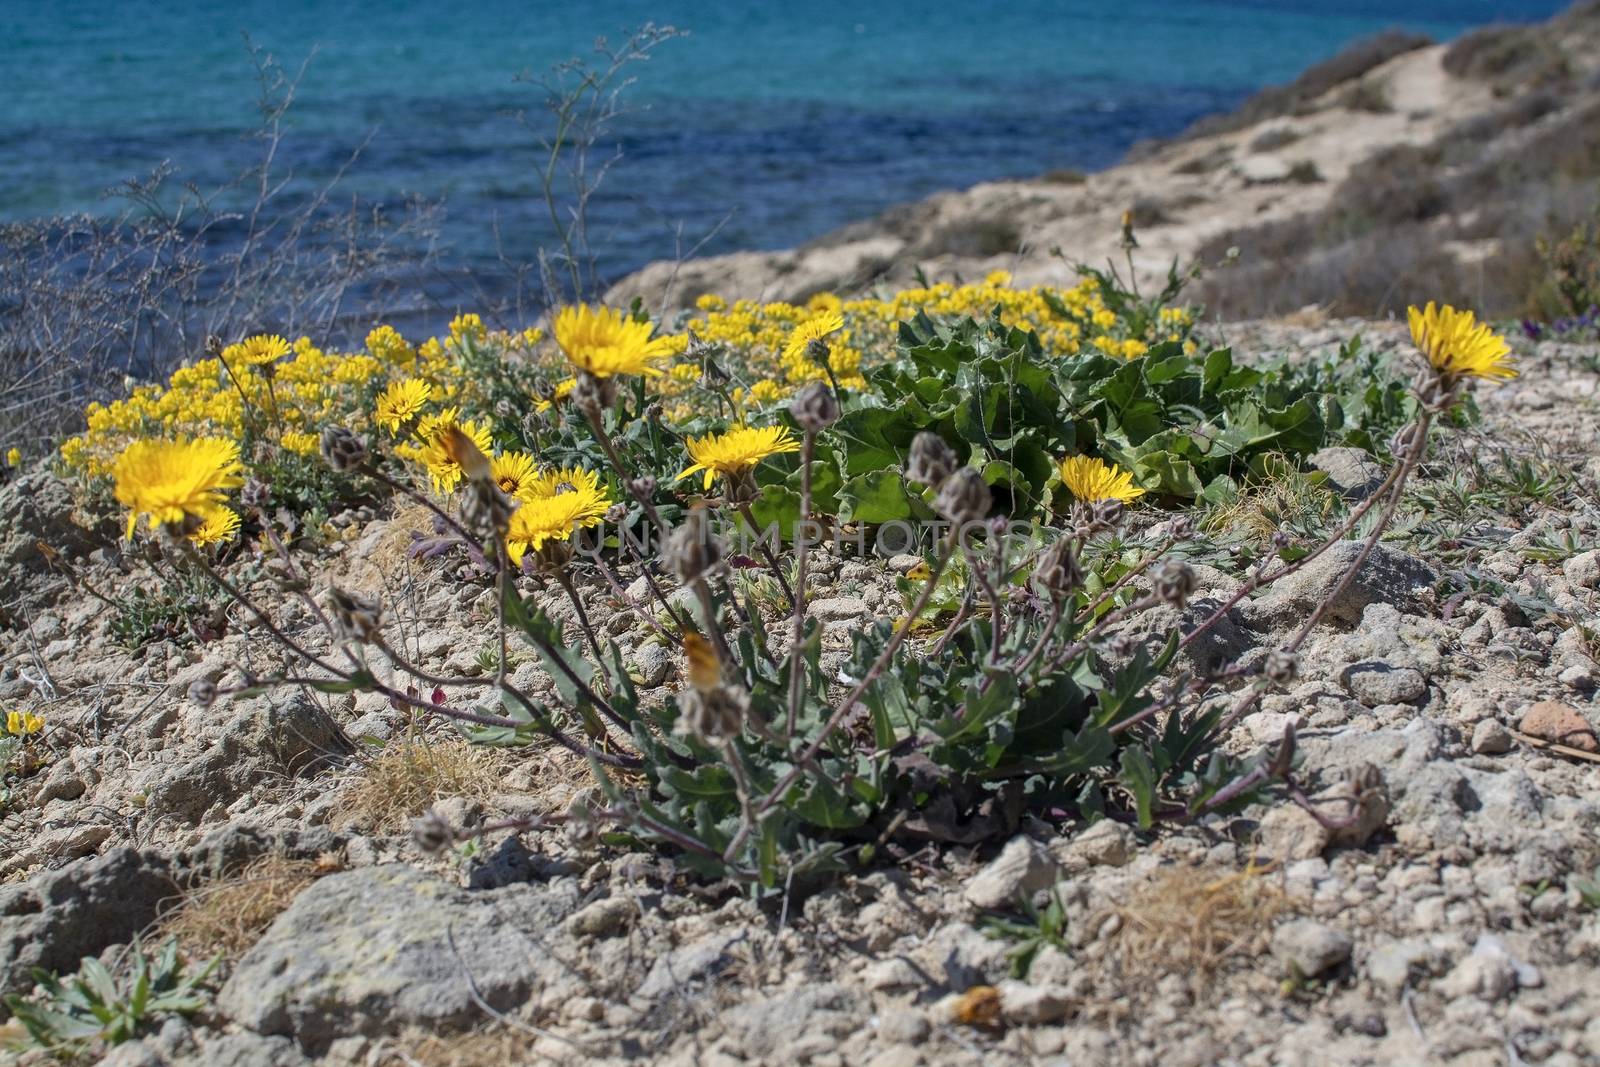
[[797, 630]]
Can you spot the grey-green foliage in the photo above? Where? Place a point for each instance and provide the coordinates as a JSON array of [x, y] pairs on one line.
[[95, 1007]]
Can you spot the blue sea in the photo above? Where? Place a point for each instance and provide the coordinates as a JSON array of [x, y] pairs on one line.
[[767, 125]]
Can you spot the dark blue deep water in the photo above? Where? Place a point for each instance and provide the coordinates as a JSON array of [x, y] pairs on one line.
[[786, 119]]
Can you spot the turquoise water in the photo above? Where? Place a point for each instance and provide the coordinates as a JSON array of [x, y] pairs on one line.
[[778, 120]]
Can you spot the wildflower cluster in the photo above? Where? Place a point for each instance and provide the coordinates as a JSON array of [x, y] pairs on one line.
[[1010, 683]]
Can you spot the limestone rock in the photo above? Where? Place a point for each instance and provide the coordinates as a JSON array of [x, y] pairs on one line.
[[1310, 947], [1022, 869], [1388, 576]]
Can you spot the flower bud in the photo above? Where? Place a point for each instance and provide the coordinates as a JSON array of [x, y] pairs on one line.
[[642, 487], [1173, 582], [202, 692], [1057, 571], [255, 493], [432, 832], [464, 453], [355, 617], [815, 407], [1181, 528], [964, 497], [931, 460], [1280, 668], [1108, 513], [343, 450], [594, 395], [692, 550], [487, 510], [713, 715], [617, 514]]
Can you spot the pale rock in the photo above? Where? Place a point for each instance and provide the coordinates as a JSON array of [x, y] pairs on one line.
[[1377, 684], [1022, 869], [1022, 1003], [1489, 738], [1108, 843], [1551, 720], [1310, 947]]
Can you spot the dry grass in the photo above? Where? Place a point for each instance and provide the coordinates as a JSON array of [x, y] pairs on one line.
[[1193, 922], [500, 1045], [1283, 499], [408, 776], [227, 916]]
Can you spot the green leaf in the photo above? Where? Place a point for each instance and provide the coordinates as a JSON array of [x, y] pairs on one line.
[[1139, 779], [875, 497]]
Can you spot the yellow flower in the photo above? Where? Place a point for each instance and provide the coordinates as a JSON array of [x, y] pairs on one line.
[[562, 390], [300, 442], [767, 391], [23, 723], [1458, 345], [1090, 479], [1105, 318], [173, 480], [558, 480], [553, 518], [257, 350], [532, 336], [14, 457], [812, 330], [442, 467], [738, 450], [513, 472], [1133, 348], [462, 325], [401, 402], [604, 342], [386, 343], [220, 525], [710, 302], [997, 278]]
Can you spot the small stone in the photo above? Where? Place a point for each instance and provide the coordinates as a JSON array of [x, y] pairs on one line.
[[891, 974], [1551, 720], [652, 663], [1289, 832], [603, 918], [902, 1026], [839, 608], [1489, 738], [1310, 947], [1583, 570], [1263, 170], [1376, 684], [1577, 678], [1393, 966], [1022, 869], [1351, 471], [1032, 1005], [1485, 976], [1107, 843]]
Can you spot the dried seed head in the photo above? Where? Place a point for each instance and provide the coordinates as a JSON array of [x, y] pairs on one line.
[[1123, 645], [931, 460], [692, 550], [432, 832], [964, 497], [1402, 440], [354, 616], [1280, 668], [1108, 513], [1280, 540], [343, 449], [643, 487], [203, 693], [617, 514], [1181, 528], [1173, 582], [594, 395], [1057, 571], [815, 407], [713, 715]]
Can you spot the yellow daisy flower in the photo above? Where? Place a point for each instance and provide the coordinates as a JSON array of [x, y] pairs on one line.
[[558, 480], [553, 518], [401, 402], [738, 450], [1090, 479], [1458, 345], [563, 390], [812, 330], [257, 350], [431, 452], [170, 481], [513, 472], [220, 525], [605, 342], [300, 442]]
